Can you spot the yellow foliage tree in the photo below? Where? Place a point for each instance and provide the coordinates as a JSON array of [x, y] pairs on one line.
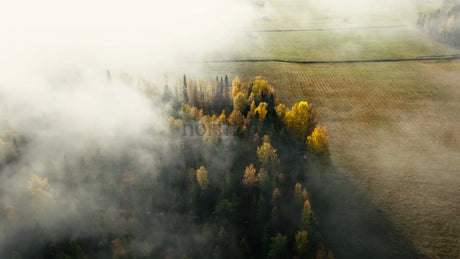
[[268, 157], [176, 126], [236, 86], [262, 110], [252, 107], [301, 241], [317, 140], [300, 194], [185, 112], [306, 208], [222, 117], [240, 102], [281, 111], [213, 129], [297, 119], [304, 194], [196, 113], [38, 187], [249, 178], [251, 98], [260, 86], [202, 178], [236, 119], [266, 139]]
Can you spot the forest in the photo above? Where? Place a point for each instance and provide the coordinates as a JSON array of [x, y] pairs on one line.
[[443, 24], [230, 129], [230, 185]]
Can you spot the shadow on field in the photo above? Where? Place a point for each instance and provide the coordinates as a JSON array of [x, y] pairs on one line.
[[351, 225]]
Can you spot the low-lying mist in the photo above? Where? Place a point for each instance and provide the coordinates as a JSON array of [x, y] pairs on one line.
[[63, 103]]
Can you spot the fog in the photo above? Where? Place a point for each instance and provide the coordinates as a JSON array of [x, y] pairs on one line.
[[55, 56], [59, 108], [362, 7], [339, 14], [137, 34]]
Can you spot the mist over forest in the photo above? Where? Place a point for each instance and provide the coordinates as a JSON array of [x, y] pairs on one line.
[[193, 129]]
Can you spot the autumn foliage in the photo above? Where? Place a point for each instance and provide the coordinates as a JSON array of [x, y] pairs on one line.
[[268, 158], [301, 239], [318, 139], [118, 250], [39, 188], [250, 177], [297, 119], [256, 117], [202, 178], [252, 204]]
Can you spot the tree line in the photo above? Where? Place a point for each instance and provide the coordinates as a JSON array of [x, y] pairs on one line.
[[443, 24]]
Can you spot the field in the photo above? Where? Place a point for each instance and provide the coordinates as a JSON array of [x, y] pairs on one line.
[[393, 125], [336, 45], [393, 134], [282, 14]]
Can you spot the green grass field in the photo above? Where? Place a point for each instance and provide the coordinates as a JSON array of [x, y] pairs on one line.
[[349, 44], [289, 14], [393, 125]]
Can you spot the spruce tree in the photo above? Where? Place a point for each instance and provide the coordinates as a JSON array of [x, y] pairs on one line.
[[185, 90]]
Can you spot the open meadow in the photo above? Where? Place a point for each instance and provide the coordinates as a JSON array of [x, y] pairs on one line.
[[367, 43]]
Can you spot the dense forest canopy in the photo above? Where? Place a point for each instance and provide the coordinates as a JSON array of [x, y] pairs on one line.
[[222, 187]]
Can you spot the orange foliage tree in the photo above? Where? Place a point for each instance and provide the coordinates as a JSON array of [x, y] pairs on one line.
[[250, 178], [118, 250]]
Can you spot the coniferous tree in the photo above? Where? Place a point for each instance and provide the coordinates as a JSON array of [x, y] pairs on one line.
[[278, 247], [226, 83], [185, 90], [221, 87]]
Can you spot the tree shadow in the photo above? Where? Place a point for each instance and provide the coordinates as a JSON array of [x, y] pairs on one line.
[[352, 226]]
